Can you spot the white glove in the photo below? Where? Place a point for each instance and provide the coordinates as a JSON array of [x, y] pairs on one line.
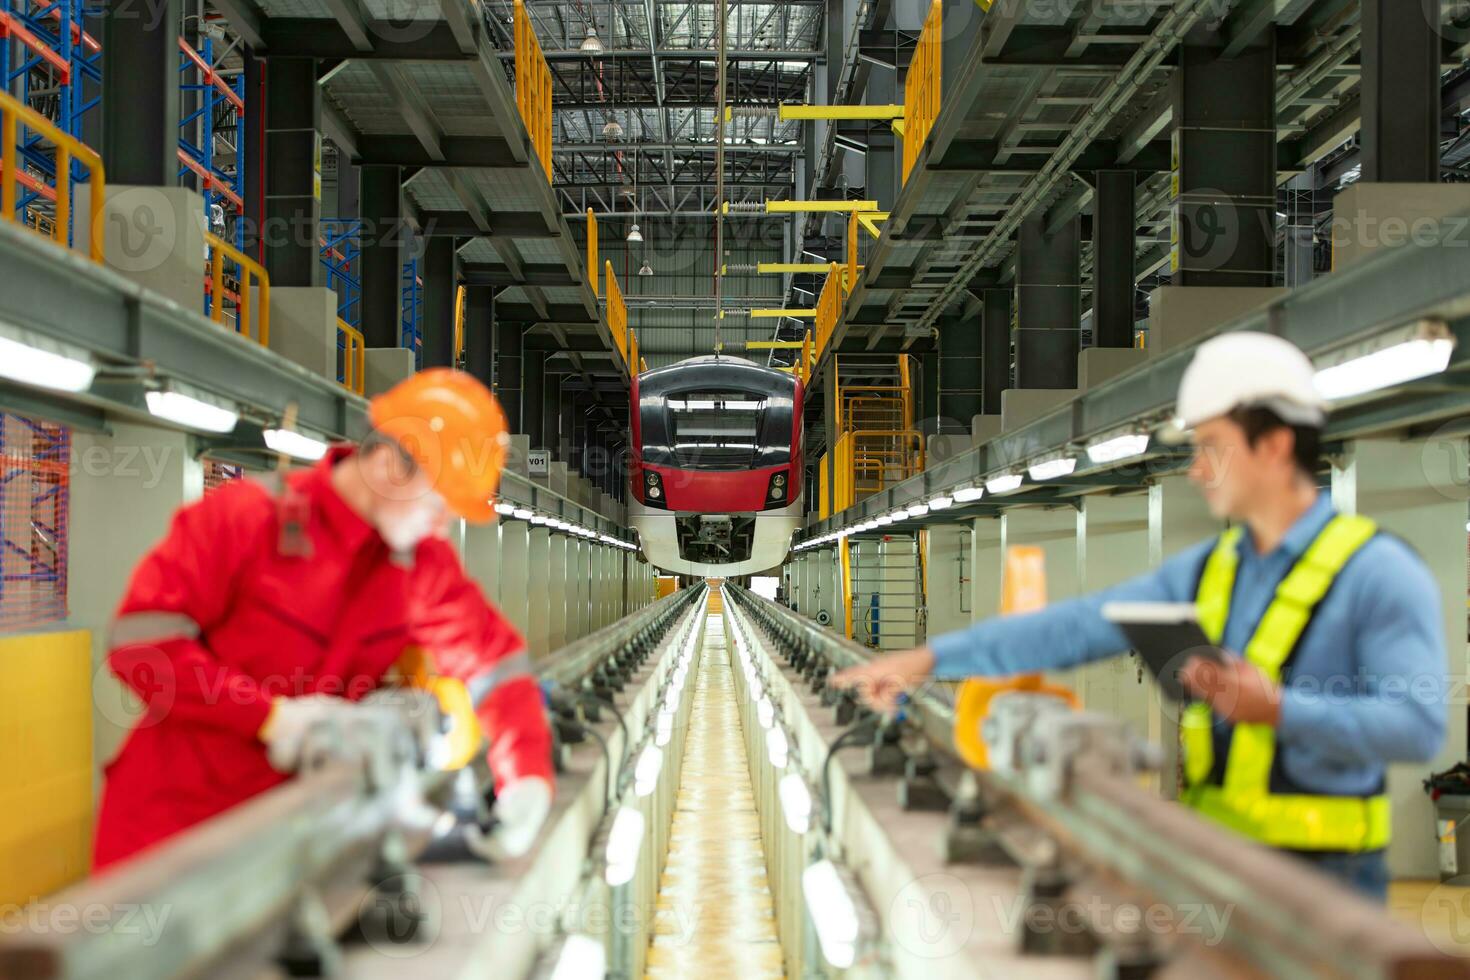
[[520, 810], [291, 722]]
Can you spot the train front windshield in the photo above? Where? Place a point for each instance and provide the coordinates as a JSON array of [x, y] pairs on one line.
[[694, 423]]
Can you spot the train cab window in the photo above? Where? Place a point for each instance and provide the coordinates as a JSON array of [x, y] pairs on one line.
[[715, 429]]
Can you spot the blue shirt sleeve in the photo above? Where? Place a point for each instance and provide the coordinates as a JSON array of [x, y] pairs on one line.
[[1064, 634], [1394, 707]]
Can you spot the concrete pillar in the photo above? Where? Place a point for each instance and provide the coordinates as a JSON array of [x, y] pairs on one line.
[[140, 83], [1177, 518], [1417, 491], [538, 591], [1048, 303], [986, 564], [145, 473], [576, 579], [1054, 531], [1224, 210], [514, 571], [1114, 238], [381, 260], [384, 367], [481, 557], [557, 603], [948, 600], [171, 262], [293, 174], [1113, 546]]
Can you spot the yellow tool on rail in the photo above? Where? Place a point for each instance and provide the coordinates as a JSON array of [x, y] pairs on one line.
[[415, 669], [1023, 590]]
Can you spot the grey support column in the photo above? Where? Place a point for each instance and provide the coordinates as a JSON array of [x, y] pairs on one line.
[[140, 93], [508, 372], [1225, 149], [1401, 101], [1113, 240], [382, 256], [533, 378], [293, 172], [960, 370], [254, 193], [881, 161], [995, 355], [1048, 301], [480, 336], [436, 325]]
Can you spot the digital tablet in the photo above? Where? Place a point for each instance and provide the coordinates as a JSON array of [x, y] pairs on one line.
[[1166, 635]]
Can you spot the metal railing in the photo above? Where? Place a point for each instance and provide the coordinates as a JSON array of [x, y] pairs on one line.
[[617, 321], [592, 269], [533, 87], [829, 308], [14, 113], [922, 87], [354, 356], [250, 273]]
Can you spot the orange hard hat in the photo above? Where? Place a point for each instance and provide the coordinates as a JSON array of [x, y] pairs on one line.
[[453, 428]]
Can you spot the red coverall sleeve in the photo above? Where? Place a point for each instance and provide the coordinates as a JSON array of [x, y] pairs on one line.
[[471, 641], [178, 591]]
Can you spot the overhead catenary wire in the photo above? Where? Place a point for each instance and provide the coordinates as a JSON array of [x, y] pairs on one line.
[[720, 178]]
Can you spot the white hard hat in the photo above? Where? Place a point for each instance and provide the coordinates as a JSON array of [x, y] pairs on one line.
[[1246, 369]]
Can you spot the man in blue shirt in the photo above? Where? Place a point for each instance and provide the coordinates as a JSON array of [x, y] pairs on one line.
[[1344, 666]]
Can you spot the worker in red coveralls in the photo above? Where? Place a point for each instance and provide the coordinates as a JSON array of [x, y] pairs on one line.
[[262, 615]]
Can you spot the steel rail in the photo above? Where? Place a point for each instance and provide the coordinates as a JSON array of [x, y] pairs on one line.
[[225, 893], [1285, 919]]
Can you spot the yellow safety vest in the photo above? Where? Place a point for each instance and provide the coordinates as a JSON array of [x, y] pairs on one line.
[[1243, 800]]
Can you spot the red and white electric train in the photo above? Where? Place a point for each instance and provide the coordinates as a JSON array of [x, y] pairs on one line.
[[716, 466]]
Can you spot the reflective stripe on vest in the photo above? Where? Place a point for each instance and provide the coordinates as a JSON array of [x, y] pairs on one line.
[[1244, 801]]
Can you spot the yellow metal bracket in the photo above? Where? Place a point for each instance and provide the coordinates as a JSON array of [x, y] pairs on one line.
[[817, 268], [814, 207], [870, 219], [774, 344], [770, 314]]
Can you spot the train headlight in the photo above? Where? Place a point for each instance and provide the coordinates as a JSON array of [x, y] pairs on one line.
[[653, 489], [776, 489]]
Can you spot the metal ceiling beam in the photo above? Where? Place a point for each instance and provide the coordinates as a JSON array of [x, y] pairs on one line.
[[412, 107], [502, 224], [328, 38], [244, 18], [490, 152], [677, 146], [675, 54], [498, 274]]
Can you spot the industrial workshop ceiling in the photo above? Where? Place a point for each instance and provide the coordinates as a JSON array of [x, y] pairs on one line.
[[1035, 99]]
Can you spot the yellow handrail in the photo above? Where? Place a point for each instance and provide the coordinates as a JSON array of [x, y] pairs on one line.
[[922, 88], [533, 87], [617, 319], [829, 307], [592, 269], [354, 356], [219, 250], [458, 323], [12, 113]]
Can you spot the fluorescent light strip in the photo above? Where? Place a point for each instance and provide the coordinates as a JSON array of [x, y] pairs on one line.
[[1052, 469], [190, 412], [1118, 447], [295, 444], [43, 368], [1004, 483], [1385, 368]]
